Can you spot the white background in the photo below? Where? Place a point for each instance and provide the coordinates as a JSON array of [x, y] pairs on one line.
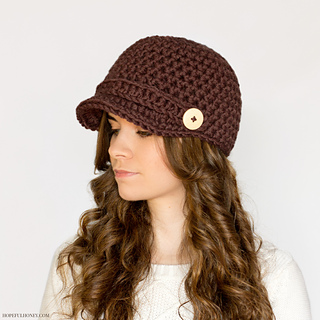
[[54, 53]]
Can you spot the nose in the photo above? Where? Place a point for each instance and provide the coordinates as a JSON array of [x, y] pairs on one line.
[[120, 147]]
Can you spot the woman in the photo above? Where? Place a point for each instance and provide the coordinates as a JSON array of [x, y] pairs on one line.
[[169, 238]]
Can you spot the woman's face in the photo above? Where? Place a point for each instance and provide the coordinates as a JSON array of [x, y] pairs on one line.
[[137, 159]]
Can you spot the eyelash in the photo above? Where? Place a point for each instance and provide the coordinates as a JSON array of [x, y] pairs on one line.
[[142, 134]]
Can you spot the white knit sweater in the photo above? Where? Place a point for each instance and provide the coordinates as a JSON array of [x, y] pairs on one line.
[[160, 296]]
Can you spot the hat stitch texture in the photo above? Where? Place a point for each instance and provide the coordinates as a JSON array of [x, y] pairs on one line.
[[157, 79]]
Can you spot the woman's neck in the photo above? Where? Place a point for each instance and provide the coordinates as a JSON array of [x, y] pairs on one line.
[[168, 224]]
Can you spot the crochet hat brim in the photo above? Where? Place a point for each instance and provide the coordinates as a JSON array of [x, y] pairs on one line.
[[136, 104]]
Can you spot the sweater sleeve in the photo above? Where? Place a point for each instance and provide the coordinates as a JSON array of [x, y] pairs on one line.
[[286, 287], [52, 301]]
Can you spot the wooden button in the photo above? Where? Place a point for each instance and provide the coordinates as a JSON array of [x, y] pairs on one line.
[[193, 119]]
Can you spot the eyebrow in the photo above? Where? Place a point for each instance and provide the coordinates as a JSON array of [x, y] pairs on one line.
[[111, 118]]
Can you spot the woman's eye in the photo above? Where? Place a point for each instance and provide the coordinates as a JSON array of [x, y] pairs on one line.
[[144, 134], [114, 132]]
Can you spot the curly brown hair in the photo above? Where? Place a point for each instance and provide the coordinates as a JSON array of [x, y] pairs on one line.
[[112, 252]]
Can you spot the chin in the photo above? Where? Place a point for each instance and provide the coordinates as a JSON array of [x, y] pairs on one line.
[[130, 196]]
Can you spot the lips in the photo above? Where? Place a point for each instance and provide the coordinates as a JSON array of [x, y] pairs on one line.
[[124, 173]]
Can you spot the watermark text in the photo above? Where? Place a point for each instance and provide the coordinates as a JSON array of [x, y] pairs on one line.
[[25, 315]]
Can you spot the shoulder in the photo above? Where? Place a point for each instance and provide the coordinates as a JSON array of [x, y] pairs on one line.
[[284, 282], [56, 289], [63, 261], [55, 260], [273, 260]]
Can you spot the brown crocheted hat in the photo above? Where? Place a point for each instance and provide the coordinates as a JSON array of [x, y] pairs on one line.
[[171, 87]]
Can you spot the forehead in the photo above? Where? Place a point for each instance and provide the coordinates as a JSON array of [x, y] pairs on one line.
[[113, 117]]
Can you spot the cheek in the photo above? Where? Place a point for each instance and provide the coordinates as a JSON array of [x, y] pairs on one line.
[[161, 175], [156, 161]]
